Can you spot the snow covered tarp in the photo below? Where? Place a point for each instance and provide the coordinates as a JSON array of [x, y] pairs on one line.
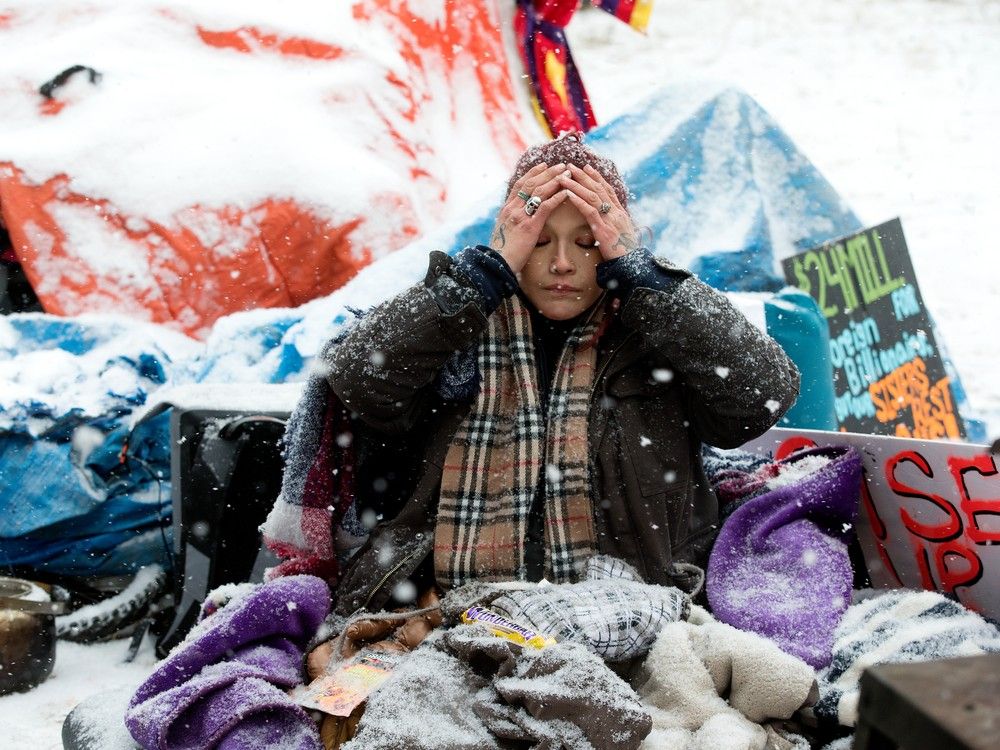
[[719, 185], [69, 504], [232, 156]]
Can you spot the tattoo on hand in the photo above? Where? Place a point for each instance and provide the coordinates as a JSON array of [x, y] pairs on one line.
[[627, 241], [498, 240]]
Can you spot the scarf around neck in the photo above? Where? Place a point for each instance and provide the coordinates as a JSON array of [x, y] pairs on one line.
[[492, 466]]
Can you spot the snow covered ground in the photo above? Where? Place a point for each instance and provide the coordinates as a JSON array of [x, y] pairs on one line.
[[33, 720], [893, 100]]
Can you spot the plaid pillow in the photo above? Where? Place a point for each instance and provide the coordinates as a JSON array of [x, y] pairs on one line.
[[612, 613]]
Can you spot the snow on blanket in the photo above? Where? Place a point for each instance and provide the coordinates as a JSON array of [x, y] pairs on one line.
[[887, 627]]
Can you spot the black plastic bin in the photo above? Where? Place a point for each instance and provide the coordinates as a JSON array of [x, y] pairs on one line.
[[226, 470]]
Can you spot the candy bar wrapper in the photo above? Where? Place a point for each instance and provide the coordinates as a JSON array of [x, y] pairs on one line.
[[501, 626], [339, 692]]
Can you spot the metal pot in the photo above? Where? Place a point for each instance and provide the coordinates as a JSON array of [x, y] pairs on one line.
[[27, 634]]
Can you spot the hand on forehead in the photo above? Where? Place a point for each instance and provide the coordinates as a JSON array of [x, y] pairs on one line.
[[569, 149]]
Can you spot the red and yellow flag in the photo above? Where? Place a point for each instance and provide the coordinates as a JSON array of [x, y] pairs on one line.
[[558, 95]]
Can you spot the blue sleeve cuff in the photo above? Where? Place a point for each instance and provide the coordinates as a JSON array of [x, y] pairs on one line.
[[489, 274], [632, 271]]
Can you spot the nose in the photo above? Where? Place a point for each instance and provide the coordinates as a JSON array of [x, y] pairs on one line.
[[561, 263]]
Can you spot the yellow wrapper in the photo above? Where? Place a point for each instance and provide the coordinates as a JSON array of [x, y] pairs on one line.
[[501, 626]]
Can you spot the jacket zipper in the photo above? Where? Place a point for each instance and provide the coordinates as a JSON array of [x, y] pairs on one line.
[[604, 368], [387, 576]]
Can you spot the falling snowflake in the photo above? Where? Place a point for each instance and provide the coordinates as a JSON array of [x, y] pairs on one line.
[[663, 375], [645, 441], [772, 405], [369, 518], [385, 555], [404, 591], [377, 358], [552, 473], [722, 372]]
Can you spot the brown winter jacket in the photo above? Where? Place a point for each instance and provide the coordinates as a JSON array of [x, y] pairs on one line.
[[675, 369]]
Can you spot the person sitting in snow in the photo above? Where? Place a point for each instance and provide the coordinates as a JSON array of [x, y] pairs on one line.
[[532, 409], [556, 387]]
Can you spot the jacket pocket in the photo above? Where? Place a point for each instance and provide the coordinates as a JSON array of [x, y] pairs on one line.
[[655, 520], [650, 427], [696, 547], [634, 381], [656, 442]]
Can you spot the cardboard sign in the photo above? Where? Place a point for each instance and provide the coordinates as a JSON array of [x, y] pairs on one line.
[[888, 376], [930, 511]]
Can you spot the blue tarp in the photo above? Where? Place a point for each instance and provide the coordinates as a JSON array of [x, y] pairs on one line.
[[719, 186]]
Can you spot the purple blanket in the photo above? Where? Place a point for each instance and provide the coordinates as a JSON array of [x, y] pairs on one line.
[[780, 565], [223, 687]]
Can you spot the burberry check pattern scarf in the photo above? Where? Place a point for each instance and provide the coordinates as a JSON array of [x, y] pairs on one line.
[[492, 465]]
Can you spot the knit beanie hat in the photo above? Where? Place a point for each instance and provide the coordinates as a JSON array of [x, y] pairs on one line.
[[568, 148]]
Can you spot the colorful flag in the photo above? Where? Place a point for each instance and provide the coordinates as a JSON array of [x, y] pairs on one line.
[[557, 93], [633, 12]]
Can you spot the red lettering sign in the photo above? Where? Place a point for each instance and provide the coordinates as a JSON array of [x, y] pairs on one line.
[[929, 511], [939, 533], [971, 507]]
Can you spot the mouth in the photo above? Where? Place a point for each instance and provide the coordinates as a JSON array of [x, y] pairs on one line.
[[561, 289]]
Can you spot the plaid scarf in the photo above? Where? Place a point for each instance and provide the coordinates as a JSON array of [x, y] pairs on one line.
[[491, 469]]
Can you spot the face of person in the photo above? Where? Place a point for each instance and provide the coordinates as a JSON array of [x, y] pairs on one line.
[[560, 277]]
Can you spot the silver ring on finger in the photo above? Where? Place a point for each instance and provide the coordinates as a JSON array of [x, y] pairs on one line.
[[605, 207], [531, 205], [523, 196]]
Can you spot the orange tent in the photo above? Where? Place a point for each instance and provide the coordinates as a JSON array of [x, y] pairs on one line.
[[190, 261]]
